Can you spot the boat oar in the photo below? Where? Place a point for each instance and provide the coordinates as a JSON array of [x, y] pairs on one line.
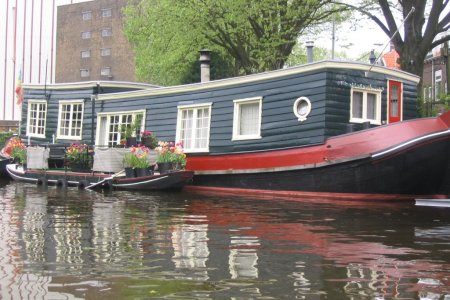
[[104, 180]]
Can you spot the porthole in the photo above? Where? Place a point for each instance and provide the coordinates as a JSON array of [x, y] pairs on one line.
[[302, 108]]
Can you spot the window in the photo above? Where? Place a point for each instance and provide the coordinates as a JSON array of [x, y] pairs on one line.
[[85, 53], [193, 127], [70, 119], [105, 51], [84, 73], [365, 106], [302, 108], [247, 119], [110, 124], [87, 15], [106, 12], [437, 85], [37, 113], [86, 35], [106, 32], [106, 71]]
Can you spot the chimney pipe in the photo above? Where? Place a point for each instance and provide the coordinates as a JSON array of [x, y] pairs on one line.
[[309, 51], [372, 57], [205, 60]]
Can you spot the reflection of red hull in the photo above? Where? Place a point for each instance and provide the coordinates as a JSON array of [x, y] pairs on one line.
[[407, 158], [389, 263]]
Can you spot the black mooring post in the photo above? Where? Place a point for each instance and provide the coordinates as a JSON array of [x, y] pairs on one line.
[[93, 97]]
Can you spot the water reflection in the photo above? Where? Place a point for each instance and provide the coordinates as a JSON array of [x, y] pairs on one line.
[[84, 245]]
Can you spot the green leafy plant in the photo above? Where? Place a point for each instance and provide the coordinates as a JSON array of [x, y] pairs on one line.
[[17, 150], [170, 152], [137, 158], [148, 139], [79, 154]]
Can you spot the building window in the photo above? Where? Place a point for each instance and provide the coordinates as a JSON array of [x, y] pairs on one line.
[[70, 119], [86, 35], [110, 126], [85, 53], [365, 106], [84, 73], [193, 125], [106, 12], [37, 113], [105, 51], [106, 32], [437, 85], [87, 15], [247, 119], [105, 71]]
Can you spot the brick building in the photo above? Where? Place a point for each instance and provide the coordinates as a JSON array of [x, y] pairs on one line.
[[90, 43], [435, 74]]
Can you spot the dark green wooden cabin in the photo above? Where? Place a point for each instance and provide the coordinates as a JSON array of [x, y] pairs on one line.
[[293, 107]]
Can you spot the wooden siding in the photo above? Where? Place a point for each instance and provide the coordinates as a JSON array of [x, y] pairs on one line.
[[339, 85], [327, 89], [280, 127]]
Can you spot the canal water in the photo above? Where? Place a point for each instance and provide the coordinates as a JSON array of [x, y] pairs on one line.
[[70, 244]]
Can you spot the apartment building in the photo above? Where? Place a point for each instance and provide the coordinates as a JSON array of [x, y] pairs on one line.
[[90, 43]]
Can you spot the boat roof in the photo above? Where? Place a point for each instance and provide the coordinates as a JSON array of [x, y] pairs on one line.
[[92, 84], [314, 66]]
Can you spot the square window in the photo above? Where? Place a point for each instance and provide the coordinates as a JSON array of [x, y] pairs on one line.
[[105, 71], [247, 119], [86, 35], [365, 106], [85, 53], [105, 51], [37, 112], [84, 73], [70, 120], [193, 127], [106, 12], [106, 32], [87, 15]]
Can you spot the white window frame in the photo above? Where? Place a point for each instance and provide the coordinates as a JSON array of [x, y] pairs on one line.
[[237, 122], [85, 53], [195, 108], [106, 12], [105, 52], [85, 35], [85, 73], [87, 15], [105, 71], [108, 116], [36, 125], [71, 121], [106, 32], [364, 118]]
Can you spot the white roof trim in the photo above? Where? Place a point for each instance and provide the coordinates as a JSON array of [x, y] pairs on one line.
[[263, 76]]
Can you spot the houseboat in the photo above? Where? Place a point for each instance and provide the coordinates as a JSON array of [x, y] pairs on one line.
[[328, 128]]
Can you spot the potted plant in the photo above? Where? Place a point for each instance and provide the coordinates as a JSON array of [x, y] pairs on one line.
[[136, 162], [79, 157], [148, 139], [129, 132], [179, 157], [17, 150], [170, 156]]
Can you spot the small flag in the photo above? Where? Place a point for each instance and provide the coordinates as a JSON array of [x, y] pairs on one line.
[[19, 89]]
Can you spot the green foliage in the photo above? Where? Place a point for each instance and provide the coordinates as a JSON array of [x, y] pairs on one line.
[[4, 136], [137, 158], [19, 155], [245, 36]]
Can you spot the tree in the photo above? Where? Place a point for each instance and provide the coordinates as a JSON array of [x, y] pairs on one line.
[[250, 36], [424, 21]]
